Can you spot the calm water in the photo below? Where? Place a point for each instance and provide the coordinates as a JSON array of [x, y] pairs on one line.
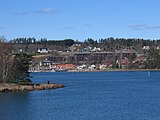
[[87, 96]]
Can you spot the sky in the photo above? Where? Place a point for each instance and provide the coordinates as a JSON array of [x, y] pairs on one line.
[[80, 19]]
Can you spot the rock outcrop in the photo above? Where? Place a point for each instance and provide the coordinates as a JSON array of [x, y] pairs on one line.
[[12, 87]]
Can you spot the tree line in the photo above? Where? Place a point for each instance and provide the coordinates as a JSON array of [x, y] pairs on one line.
[[44, 41], [119, 43], [105, 43]]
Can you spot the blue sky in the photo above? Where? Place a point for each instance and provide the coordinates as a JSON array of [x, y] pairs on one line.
[[80, 19]]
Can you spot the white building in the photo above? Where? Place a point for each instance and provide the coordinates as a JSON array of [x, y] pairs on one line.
[[43, 50], [146, 48]]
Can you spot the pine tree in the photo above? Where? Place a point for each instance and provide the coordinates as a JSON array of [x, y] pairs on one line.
[[20, 67]]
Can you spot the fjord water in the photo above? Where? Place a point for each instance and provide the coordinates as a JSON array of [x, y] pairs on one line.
[[87, 96]]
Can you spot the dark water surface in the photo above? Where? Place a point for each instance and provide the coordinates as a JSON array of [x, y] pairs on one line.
[[87, 96]]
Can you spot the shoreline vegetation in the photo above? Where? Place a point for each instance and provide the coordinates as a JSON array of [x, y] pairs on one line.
[[14, 87], [112, 70]]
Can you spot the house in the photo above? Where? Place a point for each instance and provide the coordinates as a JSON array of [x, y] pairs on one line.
[[46, 63], [146, 48], [95, 49], [123, 62], [81, 67], [139, 59], [62, 66], [158, 48], [43, 50], [92, 67]]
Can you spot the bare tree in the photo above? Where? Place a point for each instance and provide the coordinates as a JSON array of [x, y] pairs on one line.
[[6, 61]]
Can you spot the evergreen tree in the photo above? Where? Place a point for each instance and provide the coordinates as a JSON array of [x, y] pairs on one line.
[[153, 59], [20, 67]]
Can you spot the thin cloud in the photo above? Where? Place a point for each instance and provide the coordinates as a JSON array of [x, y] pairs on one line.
[[47, 11], [42, 11], [21, 13], [153, 27], [67, 28], [134, 21], [143, 27]]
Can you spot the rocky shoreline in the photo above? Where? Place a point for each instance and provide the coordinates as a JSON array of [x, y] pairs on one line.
[[13, 87]]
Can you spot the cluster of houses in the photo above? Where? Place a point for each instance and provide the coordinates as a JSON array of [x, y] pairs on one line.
[[94, 59], [47, 66]]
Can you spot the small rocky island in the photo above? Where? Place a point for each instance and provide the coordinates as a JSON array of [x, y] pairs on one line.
[[14, 87]]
